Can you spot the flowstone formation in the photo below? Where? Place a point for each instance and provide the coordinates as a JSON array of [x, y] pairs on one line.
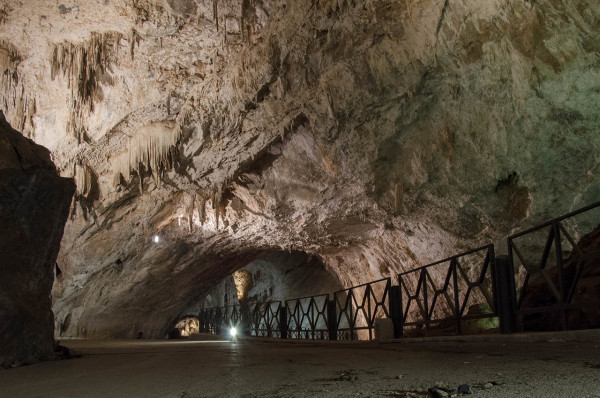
[[378, 135], [34, 205]]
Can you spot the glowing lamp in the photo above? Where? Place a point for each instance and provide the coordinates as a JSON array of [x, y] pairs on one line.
[[233, 332], [155, 239]]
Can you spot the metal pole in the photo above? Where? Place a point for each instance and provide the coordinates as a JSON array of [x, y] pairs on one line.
[[505, 294], [218, 321], [456, 296], [425, 304], [370, 323], [283, 322], [332, 318], [561, 276], [244, 319], [351, 323], [396, 310], [512, 286]]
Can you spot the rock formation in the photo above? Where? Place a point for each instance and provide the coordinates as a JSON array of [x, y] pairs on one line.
[[278, 276], [378, 135], [34, 205], [275, 277]]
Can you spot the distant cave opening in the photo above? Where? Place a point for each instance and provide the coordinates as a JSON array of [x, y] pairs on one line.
[[275, 276]]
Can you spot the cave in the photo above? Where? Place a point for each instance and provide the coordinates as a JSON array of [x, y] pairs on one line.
[[247, 189]]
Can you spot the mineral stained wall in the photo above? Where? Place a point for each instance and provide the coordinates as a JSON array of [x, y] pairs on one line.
[[378, 135], [34, 206]]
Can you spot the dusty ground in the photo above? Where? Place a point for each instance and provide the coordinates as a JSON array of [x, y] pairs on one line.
[[551, 365]]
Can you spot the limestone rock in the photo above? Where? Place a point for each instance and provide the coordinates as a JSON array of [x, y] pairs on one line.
[[275, 277], [34, 205], [377, 135]]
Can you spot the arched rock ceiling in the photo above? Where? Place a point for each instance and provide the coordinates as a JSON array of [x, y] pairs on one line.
[[379, 135]]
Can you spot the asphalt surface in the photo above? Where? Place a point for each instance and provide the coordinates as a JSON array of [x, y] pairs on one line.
[[544, 366]]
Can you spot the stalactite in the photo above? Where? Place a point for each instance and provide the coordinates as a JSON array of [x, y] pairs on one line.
[[217, 217], [242, 28], [150, 147], [398, 196], [81, 65], [191, 212], [18, 107], [141, 176], [216, 13], [202, 210], [134, 39], [83, 176], [216, 205]]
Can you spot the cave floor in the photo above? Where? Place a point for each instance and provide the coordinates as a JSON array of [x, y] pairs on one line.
[[544, 367]]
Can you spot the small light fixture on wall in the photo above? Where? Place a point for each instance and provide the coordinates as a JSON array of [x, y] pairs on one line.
[[155, 239]]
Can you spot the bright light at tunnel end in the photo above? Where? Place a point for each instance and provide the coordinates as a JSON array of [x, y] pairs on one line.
[[233, 332]]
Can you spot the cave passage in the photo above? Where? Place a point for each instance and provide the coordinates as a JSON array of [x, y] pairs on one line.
[[374, 195]]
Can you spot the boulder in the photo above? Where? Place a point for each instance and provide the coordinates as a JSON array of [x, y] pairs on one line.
[[34, 206]]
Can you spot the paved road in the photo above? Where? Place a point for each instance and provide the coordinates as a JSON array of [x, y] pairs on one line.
[[554, 367]]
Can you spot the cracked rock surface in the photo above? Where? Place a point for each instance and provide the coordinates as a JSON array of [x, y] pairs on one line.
[[377, 135]]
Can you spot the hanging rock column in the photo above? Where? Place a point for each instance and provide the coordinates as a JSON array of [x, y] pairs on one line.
[[34, 206]]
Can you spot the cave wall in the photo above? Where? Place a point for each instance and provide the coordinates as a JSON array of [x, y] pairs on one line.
[[34, 205], [379, 135], [278, 276]]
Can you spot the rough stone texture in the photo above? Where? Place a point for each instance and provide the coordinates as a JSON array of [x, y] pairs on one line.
[[279, 276], [34, 205], [379, 135]]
